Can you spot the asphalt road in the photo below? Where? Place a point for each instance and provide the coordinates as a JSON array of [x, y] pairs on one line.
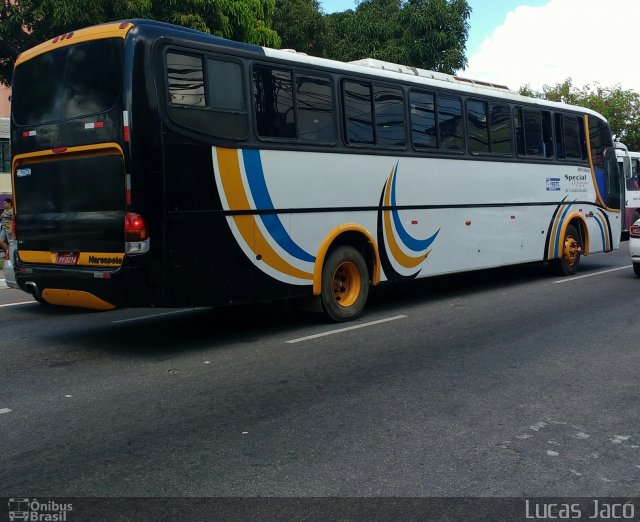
[[507, 382]]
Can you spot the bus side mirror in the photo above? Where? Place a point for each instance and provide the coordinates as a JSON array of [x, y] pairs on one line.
[[627, 167]]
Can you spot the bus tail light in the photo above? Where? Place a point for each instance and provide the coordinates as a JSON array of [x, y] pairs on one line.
[[136, 234], [13, 227], [634, 231]]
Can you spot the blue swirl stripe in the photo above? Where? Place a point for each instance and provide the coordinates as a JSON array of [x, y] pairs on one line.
[[262, 199], [557, 241], [416, 245]]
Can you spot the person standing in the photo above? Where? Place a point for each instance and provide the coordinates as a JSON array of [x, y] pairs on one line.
[[6, 232]]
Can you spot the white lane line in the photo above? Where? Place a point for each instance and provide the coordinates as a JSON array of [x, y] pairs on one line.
[[17, 304], [591, 275], [340, 330], [5, 410], [156, 315]]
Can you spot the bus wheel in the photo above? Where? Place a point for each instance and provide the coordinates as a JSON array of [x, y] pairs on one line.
[[571, 249], [636, 268], [345, 284]]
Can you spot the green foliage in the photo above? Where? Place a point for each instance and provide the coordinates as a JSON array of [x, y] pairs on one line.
[[620, 107], [301, 25], [26, 23], [429, 34]]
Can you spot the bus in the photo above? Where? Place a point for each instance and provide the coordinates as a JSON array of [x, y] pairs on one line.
[[631, 186], [156, 165]]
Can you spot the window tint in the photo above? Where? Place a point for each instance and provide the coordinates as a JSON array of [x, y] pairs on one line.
[[224, 86], [207, 95], [532, 122], [519, 131], [600, 138], [69, 82], [315, 109], [389, 107], [186, 79], [478, 127], [273, 94], [560, 146], [450, 126], [572, 137], [423, 120], [582, 135], [500, 121], [547, 135], [358, 113]]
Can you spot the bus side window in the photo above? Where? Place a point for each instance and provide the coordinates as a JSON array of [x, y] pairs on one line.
[[547, 135], [450, 124], [389, 115], [500, 129], [206, 95], [358, 112], [478, 127], [185, 76], [423, 120], [224, 86], [273, 95], [519, 130], [532, 120], [314, 98], [571, 137], [557, 120]]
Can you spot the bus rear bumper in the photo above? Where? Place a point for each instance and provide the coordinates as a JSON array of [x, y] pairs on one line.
[[79, 288]]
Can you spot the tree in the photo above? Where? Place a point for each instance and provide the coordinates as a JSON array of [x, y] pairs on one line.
[[301, 25], [429, 34], [621, 107], [26, 23]]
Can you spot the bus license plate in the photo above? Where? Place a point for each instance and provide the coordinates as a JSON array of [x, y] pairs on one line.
[[67, 258]]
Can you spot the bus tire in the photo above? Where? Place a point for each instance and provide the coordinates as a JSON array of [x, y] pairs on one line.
[[345, 284], [570, 258], [636, 268]]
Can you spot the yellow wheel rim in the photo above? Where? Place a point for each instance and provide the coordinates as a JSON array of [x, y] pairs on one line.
[[571, 250], [346, 284]]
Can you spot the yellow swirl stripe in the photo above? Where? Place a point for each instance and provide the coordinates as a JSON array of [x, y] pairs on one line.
[[554, 230], [247, 226], [402, 258], [605, 232]]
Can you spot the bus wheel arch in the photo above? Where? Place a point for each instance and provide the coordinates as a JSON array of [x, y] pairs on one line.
[[574, 242], [346, 265]]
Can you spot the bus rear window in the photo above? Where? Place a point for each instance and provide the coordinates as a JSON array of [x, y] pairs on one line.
[[70, 82]]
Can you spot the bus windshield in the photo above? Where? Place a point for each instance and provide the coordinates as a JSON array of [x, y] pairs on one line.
[[70, 82]]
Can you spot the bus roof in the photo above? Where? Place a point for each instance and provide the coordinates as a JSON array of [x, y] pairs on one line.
[[366, 66], [424, 77]]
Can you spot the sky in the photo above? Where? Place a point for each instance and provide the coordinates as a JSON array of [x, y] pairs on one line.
[[544, 42]]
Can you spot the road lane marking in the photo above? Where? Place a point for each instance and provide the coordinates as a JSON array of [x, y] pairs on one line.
[[16, 304], [591, 275], [340, 330], [5, 410], [156, 315]]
